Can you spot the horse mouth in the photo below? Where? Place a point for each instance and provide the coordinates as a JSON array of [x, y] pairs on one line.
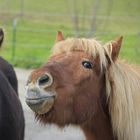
[[40, 105]]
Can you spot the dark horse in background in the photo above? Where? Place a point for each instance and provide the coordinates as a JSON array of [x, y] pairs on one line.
[[11, 113], [85, 84], [7, 69]]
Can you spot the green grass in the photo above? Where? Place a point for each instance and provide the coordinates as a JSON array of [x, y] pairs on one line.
[[36, 29]]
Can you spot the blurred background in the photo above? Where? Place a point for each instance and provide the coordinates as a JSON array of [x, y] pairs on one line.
[[31, 26]]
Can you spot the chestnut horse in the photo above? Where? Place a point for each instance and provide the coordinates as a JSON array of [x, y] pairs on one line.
[[85, 84], [11, 113]]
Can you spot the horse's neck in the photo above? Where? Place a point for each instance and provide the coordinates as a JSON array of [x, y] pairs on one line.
[[99, 127]]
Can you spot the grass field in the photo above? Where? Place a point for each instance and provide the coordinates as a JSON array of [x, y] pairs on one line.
[[36, 28]]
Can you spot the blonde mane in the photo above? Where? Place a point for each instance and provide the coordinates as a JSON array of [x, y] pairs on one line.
[[122, 86], [89, 46]]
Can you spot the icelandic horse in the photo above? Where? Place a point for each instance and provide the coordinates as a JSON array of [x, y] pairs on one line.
[[85, 84]]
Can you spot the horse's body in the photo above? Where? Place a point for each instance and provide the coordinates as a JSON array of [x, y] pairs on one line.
[[8, 71], [11, 113], [84, 84]]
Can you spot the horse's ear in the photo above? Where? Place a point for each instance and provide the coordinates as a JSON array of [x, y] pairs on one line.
[[59, 36], [116, 45], [1, 36]]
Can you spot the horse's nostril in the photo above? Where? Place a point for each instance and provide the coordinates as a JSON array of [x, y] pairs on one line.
[[45, 80]]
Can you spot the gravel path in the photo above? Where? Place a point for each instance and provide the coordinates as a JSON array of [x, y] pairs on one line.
[[36, 131]]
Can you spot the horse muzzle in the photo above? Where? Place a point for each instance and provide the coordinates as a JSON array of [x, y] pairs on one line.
[[40, 101]]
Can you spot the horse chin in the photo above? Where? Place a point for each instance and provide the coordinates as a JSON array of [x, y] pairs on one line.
[[41, 105]]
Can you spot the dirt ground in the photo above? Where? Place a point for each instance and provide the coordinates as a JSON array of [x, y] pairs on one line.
[[36, 131]]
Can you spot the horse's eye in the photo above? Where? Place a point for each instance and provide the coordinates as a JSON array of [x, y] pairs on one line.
[[87, 64]]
